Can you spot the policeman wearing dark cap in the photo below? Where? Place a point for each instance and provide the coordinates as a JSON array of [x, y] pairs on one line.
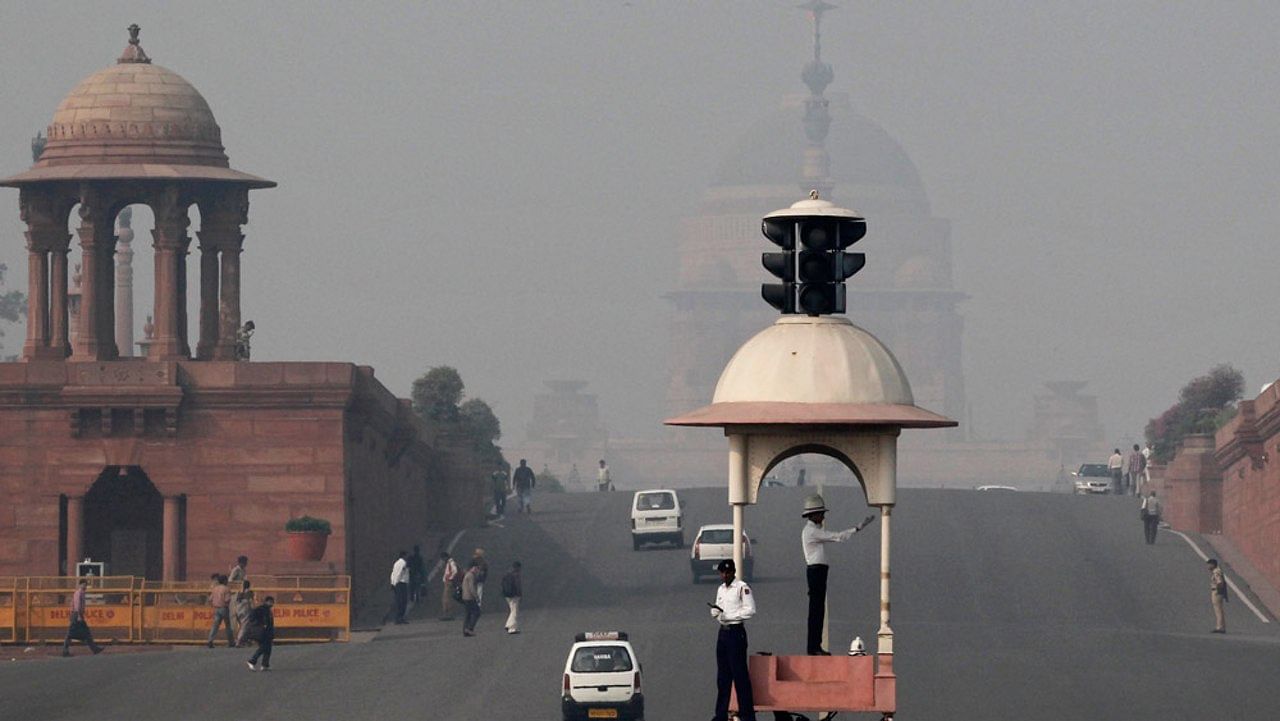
[[734, 604]]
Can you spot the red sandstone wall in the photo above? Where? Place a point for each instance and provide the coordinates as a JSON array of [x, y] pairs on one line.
[[1249, 449], [1193, 487]]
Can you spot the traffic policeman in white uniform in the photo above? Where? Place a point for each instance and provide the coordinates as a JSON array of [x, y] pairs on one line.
[[734, 604], [814, 539]]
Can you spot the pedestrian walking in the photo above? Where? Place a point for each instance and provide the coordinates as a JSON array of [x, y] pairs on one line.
[[524, 481], [262, 628], [235, 581], [243, 607], [450, 581], [400, 587], [1147, 452], [482, 574], [1150, 517], [813, 540], [603, 481], [498, 484], [1135, 464], [734, 605], [471, 598], [220, 602], [512, 590], [1115, 466], [1217, 596], [417, 574], [78, 627]]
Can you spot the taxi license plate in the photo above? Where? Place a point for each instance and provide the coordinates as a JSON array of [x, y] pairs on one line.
[[602, 713]]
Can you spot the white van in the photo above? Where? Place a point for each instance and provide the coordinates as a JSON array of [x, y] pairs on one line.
[[602, 679], [656, 517]]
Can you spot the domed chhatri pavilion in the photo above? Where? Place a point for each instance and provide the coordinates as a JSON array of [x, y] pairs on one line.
[[174, 464]]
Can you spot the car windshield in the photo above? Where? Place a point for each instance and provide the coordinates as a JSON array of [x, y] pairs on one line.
[[655, 502], [1094, 470], [601, 659], [716, 535]]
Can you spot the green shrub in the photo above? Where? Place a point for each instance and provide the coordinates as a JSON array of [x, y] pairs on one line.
[[308, 524]]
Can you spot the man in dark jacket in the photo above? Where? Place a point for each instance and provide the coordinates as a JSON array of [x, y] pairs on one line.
[[512, 589], [262, 628], [524, 481]]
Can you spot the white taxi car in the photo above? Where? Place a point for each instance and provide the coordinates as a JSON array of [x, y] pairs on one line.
[[656, 517], [713, 544], [601, 678]]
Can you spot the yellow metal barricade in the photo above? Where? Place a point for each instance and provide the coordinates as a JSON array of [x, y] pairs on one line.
[[8, 609], [44, 606], [130, 609]]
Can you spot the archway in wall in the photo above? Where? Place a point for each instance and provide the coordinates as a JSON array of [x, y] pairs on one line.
[[124, 523]]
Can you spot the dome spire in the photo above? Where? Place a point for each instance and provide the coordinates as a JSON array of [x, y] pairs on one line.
[[133, 52], [816, 173]]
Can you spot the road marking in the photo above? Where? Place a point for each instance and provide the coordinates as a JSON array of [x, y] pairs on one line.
[[1239, 594]]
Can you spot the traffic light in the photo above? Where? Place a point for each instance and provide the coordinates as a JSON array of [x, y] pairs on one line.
[[813, 266], [782, 265]]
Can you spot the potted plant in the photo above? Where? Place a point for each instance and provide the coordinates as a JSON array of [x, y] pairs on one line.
[[308, 537]]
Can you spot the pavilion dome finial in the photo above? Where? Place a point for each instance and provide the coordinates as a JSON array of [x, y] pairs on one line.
[[133, 52]]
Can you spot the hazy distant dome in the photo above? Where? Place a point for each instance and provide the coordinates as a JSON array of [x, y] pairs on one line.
[[862, 153], [823, 360], [134, 113]]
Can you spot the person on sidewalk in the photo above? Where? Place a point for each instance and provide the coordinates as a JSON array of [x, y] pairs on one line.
[[262, 628], [734, 605], [482, 573], [524, 481], [1150, 517], [512, 590], [1135, 465], [220, 602], [1217, 595], [417, 574], [235, 581], [471, 598], [1115, 466], [449, 580], [498, 485], [604, 482], [244, 606], [400, 587], [78, 627], [813, 539]]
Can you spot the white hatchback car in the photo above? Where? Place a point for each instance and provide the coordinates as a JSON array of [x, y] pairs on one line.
[[602, 678], [713, 544], [656, 517]]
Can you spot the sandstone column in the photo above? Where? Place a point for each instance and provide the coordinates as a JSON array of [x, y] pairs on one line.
[[37, 343], [94, 240], [171, 538], [75, 532], [220, 219], [170, 243], [208, 297], [124, 284], [59, 328]]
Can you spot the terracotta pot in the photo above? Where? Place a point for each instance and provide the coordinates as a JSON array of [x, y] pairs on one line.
[[307, 545]]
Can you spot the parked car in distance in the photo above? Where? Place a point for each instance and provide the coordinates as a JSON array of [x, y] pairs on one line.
[[656, 517], [601, 678], [713, 544], [1092, 478]]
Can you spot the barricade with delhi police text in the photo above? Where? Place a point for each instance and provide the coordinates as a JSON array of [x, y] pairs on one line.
[[127, 609]]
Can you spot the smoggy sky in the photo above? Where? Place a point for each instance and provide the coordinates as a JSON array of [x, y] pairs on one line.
[[498, 186]]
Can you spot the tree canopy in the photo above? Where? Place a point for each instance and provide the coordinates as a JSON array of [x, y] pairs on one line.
[[438, 400], [13, 305], [1204, 404]]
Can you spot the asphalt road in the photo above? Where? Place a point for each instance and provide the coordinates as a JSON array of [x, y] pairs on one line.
[[1006, 606]]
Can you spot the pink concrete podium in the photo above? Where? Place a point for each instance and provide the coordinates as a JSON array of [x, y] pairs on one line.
[[822, 683]]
